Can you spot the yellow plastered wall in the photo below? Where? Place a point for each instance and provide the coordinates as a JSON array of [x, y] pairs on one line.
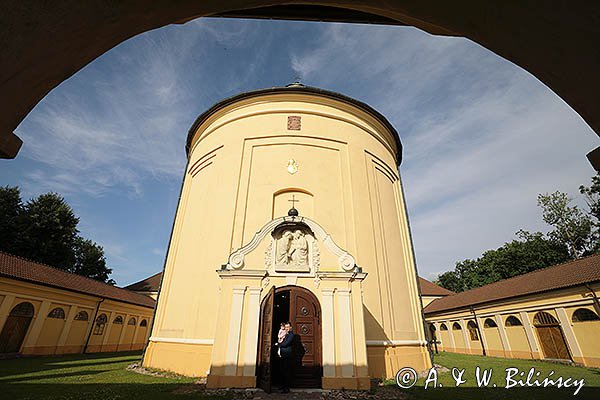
[[347, 181], [580, 337], [587, 333], [494, 343], [62, 335]]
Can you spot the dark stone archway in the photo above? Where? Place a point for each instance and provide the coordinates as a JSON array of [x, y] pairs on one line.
[[44, 43]]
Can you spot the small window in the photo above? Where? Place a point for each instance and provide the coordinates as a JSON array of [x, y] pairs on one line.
[[132, 321], [24, 309], [100, 324], [489, 323], [432, 327], [144, 323], [443, 327], [472, 327], [513, 321], [456, 326], [544, 319], [584, 314], [82, 316], [57, 313], [118, 320]]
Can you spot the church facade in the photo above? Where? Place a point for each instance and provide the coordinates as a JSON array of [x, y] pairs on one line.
[[291, 209]]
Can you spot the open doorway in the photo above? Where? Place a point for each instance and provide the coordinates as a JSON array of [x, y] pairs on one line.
[[302, 309]]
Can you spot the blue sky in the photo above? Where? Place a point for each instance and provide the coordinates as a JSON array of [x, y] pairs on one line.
[[482, 137]]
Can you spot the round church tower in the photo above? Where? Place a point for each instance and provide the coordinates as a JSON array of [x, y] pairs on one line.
[[291, 210]]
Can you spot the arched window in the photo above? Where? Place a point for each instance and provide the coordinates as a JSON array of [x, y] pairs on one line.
[[24, 309], [432, 327], [57, 313], [118, 320], [513, 321], [456, 326], [81, 316], [144, 323], [584, 314], [489, 323], [472, 327], [100, 324], [443, 327], [544, 319], [132, 321]]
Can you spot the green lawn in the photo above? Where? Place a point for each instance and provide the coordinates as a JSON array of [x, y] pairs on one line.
[[91, 377], [104, 377], [469, 389]]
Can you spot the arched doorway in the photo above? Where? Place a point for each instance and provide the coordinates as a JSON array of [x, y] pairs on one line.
[[15, 328], [302, 309], [551, 336]]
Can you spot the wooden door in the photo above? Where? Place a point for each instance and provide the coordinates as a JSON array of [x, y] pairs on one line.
[[305, 316], [553, 343], [264, 343], [15, 328]]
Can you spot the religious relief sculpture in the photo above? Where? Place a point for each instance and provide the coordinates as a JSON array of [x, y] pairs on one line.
[[291, 250]]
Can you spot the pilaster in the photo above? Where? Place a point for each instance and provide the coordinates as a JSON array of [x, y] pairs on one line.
[[38, 323], [328, 340], [252, 316], [5, 309], [503, 335], [533, 345], [567, 329], [235, 326], [62, 339]]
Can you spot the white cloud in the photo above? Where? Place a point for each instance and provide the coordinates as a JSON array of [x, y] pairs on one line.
[[481, 136]]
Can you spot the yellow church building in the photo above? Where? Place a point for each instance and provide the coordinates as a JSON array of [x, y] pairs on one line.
[[291, 208]]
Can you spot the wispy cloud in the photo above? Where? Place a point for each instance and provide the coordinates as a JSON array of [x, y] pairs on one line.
[[481, 136]]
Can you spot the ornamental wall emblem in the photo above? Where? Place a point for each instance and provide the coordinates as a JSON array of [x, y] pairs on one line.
[[292, 166]]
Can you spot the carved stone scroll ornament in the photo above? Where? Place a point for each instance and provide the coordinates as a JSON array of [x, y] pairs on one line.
[[298, 245]]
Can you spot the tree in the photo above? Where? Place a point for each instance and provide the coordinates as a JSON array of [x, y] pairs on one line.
[[90, 261], [572, 227], [48, 231], [531, 251], [45, 230], [592, 197], [11, 209]]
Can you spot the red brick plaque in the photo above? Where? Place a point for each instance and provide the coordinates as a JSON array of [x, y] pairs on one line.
[[294, 123]]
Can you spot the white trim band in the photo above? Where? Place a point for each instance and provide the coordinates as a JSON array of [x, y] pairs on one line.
[[396, 342], [181, 340]]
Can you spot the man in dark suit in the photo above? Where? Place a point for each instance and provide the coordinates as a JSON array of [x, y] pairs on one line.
[[286, 352]]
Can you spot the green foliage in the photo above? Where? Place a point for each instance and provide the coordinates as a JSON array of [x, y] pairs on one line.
[[572, 227], [531, 251], [10, 209], [90, 261], [45, 230], [592, 197], [574, 233]]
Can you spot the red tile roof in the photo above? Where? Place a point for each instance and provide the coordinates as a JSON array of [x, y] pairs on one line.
[[431, 289], [150, 284], [573, 273], [26, 270]]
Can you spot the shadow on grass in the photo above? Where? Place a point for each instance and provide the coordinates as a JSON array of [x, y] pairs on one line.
[[98, 391], [500, 393], [34, 364], [54, 376]]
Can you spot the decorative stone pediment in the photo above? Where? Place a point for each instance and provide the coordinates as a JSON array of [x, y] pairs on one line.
[[293, 247]]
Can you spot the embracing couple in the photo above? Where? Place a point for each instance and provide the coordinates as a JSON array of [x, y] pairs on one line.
[[285, 341]]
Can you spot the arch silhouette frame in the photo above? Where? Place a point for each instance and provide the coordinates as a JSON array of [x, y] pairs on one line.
[[557, 43]]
